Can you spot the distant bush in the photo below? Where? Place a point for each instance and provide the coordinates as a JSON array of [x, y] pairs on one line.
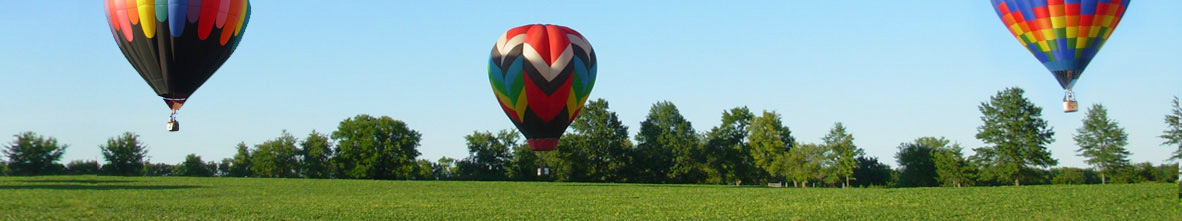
[[81, 167], [1069, 176], [158, 169], [193, 166]]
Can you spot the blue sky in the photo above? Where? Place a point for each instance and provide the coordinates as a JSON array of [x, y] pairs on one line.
[[891, 71]]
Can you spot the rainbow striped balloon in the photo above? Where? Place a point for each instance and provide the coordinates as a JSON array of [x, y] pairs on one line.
[[149, 14], [1063, 34], [176, 45], [542, 76]]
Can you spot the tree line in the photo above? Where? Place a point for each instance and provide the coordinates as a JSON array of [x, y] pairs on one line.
[[745, 148]]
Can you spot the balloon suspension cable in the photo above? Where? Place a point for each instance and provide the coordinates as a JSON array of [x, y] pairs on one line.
[[1069, 96], [172, 116]]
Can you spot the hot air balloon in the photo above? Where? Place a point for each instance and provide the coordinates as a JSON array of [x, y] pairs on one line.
[[1063, 34], [176, 45], [541, 75]]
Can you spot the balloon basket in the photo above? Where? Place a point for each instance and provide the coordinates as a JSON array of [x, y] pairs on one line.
[[174, 126], [1069, 104]]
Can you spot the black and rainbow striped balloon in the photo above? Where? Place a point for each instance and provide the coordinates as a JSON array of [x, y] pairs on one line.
[[176, 45]]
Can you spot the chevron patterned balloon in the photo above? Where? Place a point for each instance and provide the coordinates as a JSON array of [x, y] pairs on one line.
[[541, 75]]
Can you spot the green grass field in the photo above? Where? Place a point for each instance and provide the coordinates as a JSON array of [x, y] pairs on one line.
[[138, 198]]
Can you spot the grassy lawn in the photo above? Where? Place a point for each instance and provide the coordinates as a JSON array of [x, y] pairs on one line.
[[138, 198]]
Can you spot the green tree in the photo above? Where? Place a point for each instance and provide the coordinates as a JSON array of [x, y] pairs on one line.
[[916, 165], [159, 169], [240, 165], [125, 155], [32, 154], [1018, 135], [1069, 176], [952, 168], [278, 157], [1103, 142], [423, 170], [803, 163], [224, 167], [375, 148], [871, 172], [728, 157], [770, 141], [445, 169], [213, 168], [80, 167], [597, 149], [1173, 136], [1173, 132], [316, 155], [193, 166], [523, 165], [667, 147], [841, 143], [3, 168], [489, 155]]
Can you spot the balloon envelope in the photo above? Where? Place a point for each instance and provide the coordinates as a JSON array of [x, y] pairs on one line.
[[541, 76], [1063, 34], [176, 45]]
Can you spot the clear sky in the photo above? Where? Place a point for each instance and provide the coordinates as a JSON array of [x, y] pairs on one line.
[[891, 71]]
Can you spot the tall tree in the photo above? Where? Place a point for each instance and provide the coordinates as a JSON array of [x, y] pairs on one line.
[[667, 147], [841, 143], [769, 141], [316, 154], [278, 157], [1173, 132], [125, 155], [870, 172], [1103, 142], [916, 165], [1018, 136], [32, 154], [728, 157], [1173, 136], [375, 148], [240, 165], [599, 143], [802, 163], [489, 155], [952, 168], [192, 166]]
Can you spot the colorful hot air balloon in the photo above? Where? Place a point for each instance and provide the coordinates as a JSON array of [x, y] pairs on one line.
[[1063, 34], [176, 45], [542, 75]]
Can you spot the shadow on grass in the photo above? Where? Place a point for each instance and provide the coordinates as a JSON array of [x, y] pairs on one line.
[[86, 181], [95, 187]]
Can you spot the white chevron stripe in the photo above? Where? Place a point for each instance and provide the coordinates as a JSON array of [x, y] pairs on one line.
[[582, 43], [531, 55], [504, 45], [549, 72]]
